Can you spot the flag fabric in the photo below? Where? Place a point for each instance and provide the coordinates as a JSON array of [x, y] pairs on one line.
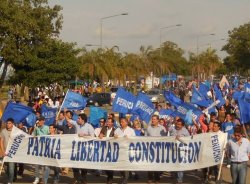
[[74, 101], [218, 96], [123, 102], [143, 107], [223, 82], [237, 94], [247, 91], [188, 118], [30, 120], [49, 114], [134, 117], [199, 99], [170, 77], [244, 107], [96, 113], [181, 107], [203, 90], [17, 111], [165, 113]]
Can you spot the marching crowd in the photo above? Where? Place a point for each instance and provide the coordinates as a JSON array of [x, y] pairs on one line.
[[225, 119]]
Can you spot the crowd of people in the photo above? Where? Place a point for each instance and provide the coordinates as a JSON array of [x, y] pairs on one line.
[[225, 119]]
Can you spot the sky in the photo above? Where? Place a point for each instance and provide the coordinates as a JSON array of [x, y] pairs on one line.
[[145, 19]]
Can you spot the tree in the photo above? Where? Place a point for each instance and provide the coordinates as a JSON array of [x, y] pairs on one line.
[[24, 26], [54, 61], [205, 64], [238, 48]]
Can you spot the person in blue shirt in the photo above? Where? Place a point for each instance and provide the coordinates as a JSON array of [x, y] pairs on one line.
[[228, 126]]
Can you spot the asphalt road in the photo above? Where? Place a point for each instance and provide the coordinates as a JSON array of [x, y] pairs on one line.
[[190, 177]]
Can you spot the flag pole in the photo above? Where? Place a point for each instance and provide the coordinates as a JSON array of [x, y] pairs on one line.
[[2, 166], [221, 162], [62, 105]]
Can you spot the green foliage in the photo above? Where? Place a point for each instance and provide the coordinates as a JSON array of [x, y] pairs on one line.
[[24, 26], [55, 61], [238, 48]]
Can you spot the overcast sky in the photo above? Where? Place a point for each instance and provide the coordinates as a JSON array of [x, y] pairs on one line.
[[145, 18]]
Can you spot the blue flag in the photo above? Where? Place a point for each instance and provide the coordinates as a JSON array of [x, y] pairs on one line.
[[182, 107], [244, 107], [188, 118], [96, 113], [74, 101], [199, 99], [218, 96], [165, 113], [123, 102], [49, 114], [134, 117], [170, 77], [237, 94], [203, 89], [17, 111], [247, 91], [30, 120], [143, 107]]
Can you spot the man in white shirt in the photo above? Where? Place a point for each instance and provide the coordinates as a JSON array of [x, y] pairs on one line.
[[124, 131]]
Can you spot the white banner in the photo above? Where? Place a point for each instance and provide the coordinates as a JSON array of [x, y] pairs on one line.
[[133, 153]]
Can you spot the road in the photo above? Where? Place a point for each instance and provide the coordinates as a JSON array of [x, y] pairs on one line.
[[190, 177]]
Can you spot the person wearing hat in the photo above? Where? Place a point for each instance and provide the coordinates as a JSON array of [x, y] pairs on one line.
[[40, 129]]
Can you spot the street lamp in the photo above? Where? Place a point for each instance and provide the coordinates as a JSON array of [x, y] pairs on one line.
[[197, 41], [177, 25], [92, 45], [101, 20]]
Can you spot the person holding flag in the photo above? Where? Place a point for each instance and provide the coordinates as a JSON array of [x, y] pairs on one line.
[[153, 130], [4, 139], [40, 130]]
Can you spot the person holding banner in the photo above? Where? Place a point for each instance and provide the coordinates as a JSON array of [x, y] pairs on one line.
[[238, 150], [179, 131], [108, 131], [124, 131], [82, 129], [56, 170], [154, 130], [40, 130], [4, 139]]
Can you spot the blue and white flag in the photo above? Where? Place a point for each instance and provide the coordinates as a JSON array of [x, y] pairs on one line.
[[96, 113], [182, 107], [203, 90], [247, 91], [17, 111], [165, 113], [199, 99], [188, 118], [143, 107], [74, 101], [244, 107], [218, 96], [123, 102], [30, 120], [49, 114]]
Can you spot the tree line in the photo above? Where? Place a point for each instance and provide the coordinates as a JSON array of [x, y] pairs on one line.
[[29, 44]]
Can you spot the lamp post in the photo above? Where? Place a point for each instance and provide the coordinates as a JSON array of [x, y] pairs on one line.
[[177, 25], [197, 41], [101, 20], [92, 45]]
